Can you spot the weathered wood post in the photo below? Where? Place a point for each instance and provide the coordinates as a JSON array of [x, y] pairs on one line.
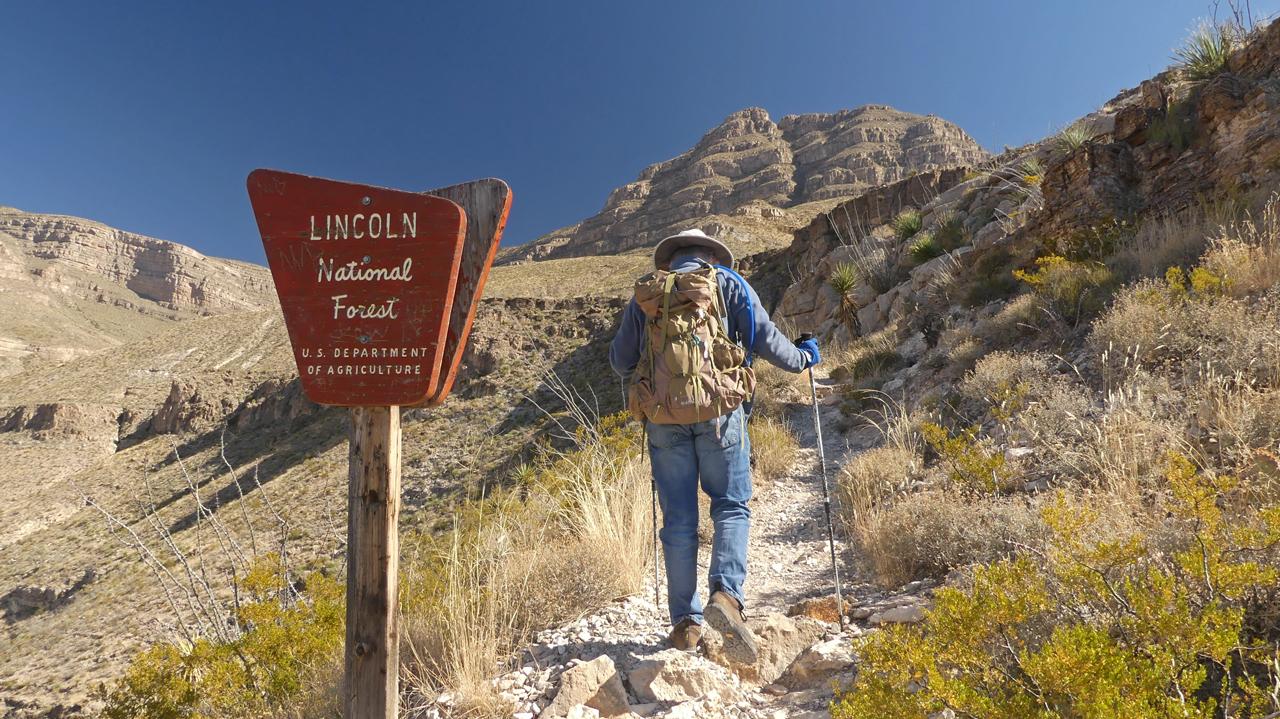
[[373, 561], [379, 289]]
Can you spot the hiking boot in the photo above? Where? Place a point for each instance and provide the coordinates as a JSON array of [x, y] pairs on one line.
[[685, 635], [724, 614]]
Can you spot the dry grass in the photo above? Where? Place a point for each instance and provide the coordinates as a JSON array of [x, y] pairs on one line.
[[509, 568], [1167, 241], [1020, 317], [610, 275], [1149, 328], [871, 477], [775, 389], [773, 449], [929, 533]]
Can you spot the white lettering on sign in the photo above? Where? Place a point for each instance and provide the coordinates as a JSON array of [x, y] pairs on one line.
[[353, 272], [395, 369], [347, 226], [371, 311]]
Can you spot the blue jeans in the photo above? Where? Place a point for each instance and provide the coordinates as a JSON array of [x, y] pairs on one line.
[[717, 452]]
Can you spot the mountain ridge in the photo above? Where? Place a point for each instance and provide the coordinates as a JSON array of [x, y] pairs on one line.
[[780, 169]]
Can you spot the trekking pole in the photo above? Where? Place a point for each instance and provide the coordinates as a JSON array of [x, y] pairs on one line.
[[826, 493], [653, 488]]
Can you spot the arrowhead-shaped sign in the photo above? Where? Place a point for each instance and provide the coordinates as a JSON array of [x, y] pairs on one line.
[[366, 278], [486, 203]]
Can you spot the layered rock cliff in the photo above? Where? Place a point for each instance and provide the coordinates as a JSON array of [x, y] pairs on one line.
[[750, 161], [70, 286]]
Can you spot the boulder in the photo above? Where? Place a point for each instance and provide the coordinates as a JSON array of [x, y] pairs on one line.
[[672, 675], [1131, 124], [914, 348], [780, 640], [821, 662], [821, 608], [595, 684], [899, 615]]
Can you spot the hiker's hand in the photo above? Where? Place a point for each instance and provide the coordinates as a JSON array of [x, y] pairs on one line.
[[810, 347]]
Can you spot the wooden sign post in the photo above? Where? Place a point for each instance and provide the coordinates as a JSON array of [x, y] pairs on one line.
[[378, 289]]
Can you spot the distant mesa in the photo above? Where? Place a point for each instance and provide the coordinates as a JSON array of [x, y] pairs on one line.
[[752, 175]]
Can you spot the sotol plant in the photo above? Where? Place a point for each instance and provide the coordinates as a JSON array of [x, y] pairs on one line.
[[1073, 137], [907, 224], [1204, 55]]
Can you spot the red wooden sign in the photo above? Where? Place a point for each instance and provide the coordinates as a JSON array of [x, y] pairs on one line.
[[366, 278], [486, 203]]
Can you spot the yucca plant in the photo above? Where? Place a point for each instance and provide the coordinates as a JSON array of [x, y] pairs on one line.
[[907, 224], [1073, 136], [948, 232], [926, 248], [843, 278], [1204, 55]]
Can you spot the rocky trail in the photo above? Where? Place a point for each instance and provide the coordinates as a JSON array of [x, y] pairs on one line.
[[617, 662]]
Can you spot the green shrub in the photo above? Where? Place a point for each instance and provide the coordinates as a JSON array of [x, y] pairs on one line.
[[843, 278], [874, 364], [1111, 628], [1092, 244], [973, 464], [907, 224], [1071, 291], [925, 248], [1176, 126], [1204, 55], [992, 279], [285, 640], [1032, 172]]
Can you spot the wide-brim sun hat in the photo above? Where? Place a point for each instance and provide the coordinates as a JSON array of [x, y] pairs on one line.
[[690, 238]]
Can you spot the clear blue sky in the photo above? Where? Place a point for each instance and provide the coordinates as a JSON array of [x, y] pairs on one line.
[[148, 116]]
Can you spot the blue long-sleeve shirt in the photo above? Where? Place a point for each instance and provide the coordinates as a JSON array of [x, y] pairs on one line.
[[769, 343]]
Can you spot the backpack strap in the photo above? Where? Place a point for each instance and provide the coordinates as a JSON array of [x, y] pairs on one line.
[[751, 311]]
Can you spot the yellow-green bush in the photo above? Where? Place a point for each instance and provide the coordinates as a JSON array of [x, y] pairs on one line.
[[1071, 291], [974, 465], [284, 640], [1136, 626]]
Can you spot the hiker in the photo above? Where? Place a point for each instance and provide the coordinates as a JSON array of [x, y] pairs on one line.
[[684, 348]]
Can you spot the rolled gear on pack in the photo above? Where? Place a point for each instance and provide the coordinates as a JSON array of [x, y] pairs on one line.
[[690, 370]]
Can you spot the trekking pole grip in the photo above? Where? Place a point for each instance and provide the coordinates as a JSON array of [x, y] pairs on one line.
[[804, 337]]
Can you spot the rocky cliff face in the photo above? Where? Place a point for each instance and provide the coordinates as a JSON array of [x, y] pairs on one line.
[[750, 165], [173, 276], [70, 286]]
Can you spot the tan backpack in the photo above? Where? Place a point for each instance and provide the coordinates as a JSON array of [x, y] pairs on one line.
[[689, 371]]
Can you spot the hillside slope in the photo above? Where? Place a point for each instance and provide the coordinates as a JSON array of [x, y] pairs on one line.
[[70, 286]]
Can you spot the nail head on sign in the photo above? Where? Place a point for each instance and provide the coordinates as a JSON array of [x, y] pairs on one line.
[[367, 259], [364, 339], [365, 201]]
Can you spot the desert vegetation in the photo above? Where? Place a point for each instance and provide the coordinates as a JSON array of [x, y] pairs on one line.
[[1104, 515]]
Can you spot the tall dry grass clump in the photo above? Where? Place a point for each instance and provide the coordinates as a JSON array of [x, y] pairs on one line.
[[574, 537], [773, 449]]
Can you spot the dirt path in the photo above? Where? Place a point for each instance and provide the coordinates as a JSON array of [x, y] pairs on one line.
[[788, 560]]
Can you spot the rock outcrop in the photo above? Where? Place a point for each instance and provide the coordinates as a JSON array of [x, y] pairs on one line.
[[70, 287], [81, 256], [750, 165]]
